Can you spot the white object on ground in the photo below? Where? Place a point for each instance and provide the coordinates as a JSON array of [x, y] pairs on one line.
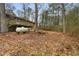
[[21, 29]]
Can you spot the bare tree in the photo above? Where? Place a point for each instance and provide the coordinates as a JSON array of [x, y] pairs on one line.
[[36, 17], [3, 20], [24, 10], [27, 10], [63, 16]]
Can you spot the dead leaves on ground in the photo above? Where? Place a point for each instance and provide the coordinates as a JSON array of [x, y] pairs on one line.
[[37, 44]]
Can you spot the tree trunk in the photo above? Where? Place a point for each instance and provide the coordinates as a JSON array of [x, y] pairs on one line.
[[3, 20], [58, 16], [63, 17], [36, 17], [24, 11]]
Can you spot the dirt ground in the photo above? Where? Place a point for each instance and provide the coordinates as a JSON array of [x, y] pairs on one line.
[[45, 43]]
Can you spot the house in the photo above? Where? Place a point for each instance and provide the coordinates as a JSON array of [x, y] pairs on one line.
[[13, 22]]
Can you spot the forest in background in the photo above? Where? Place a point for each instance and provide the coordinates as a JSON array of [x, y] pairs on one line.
[[60, 17]]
